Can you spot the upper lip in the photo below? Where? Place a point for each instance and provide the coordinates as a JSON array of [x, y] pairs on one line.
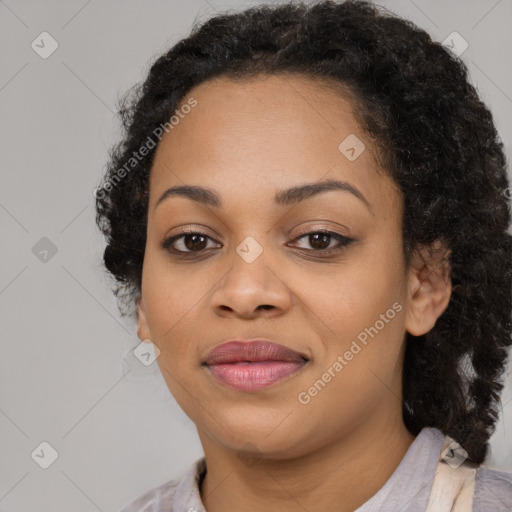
[[252, 350]]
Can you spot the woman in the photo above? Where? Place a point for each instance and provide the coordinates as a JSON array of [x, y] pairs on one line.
[[308, 217]]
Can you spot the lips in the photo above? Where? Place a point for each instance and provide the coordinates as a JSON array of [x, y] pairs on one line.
[[252, 351], [253, 365]]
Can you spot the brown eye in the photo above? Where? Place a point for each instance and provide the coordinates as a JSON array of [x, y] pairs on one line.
[[190, 242], [320, 240], [195, 242]]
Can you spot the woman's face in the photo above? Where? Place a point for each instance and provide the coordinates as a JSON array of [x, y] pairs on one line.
[[255, 274]]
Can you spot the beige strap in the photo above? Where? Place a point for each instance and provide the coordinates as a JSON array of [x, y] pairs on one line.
[[454, 482]]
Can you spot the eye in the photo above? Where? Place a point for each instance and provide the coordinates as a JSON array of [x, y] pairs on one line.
[[189, 241], [320, 240]]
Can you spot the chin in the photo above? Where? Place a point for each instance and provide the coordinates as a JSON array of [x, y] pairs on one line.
[[270, 438]]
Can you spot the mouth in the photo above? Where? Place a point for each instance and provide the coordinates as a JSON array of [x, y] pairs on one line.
[[253, 365]]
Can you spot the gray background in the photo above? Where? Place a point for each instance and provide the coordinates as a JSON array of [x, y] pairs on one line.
[[66, 377]]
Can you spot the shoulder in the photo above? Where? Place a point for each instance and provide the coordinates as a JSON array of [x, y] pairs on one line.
[[154, 500], [493, 490]]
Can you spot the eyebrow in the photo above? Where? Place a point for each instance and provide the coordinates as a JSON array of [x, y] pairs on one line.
[[285, 197]]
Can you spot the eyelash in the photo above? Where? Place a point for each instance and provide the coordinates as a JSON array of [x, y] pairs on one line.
[[343, 241]]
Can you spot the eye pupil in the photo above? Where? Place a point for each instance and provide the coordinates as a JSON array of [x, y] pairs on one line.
[[322, 237], [193, 245]]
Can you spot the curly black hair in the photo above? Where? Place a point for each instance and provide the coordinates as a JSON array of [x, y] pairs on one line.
[[434, 137]]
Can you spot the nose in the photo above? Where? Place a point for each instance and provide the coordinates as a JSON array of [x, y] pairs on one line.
[[250, 290]]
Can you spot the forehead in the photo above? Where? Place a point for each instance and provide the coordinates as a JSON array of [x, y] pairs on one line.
[[267, 132]]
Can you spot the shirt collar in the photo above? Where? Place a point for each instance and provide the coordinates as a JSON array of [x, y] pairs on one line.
[[187, 497], [408, 488]]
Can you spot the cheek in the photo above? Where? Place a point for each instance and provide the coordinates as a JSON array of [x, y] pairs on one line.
[[353, 295], [170, 290], [173, 298], [173, 302], [361, 307]]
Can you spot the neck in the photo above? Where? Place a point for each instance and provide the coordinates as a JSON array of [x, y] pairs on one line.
[[342, 475]]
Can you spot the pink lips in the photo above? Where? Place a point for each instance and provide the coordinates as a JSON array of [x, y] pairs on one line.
[[253, 365]]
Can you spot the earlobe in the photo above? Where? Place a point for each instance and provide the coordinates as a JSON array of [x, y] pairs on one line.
[[143, 328], [429, 288]]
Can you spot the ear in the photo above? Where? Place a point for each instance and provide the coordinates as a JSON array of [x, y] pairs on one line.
[[143, 328], [429, 288]]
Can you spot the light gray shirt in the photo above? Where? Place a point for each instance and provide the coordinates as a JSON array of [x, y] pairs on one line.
[[406, 490]]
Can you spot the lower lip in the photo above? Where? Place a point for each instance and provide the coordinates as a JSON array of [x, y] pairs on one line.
[[255, 375]]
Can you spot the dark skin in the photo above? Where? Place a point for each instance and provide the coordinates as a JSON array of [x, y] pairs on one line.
[[246, 141]]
